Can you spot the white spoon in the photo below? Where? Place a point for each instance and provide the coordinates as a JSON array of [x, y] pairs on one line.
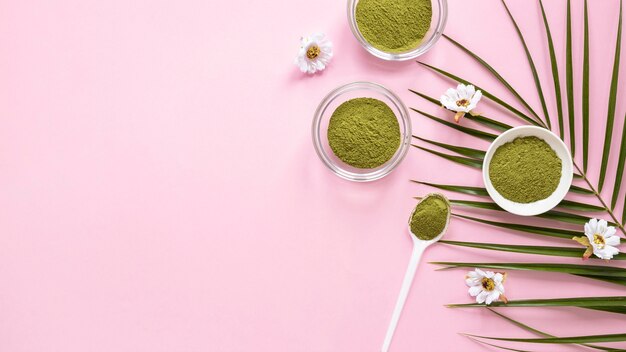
[[418, 248]]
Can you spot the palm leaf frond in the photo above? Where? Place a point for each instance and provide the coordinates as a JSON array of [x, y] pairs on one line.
[[620, 167], [473, 132], [578, 269], [533, 68], [562, 340], [585, 88], [555, 70], [537, 250], [537, 230], [478, 164], [499, 77], [487, 94], [610, 118], [569, 80], [607, 301], [465, 151], [484, 120]]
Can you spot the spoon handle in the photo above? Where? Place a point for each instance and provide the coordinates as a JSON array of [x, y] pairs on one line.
[[404, 292]]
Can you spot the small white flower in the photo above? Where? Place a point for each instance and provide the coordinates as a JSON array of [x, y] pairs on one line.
[[600, 239], [463, 100], [315, 53], [486, 286]]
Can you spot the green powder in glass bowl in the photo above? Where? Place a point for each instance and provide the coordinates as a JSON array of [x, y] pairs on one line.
[[525, 170], [394, 26], [364, 133]]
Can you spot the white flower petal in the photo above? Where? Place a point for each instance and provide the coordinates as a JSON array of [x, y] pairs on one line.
[[481, 273], [601, 226], [498, 277], [452, 94], [476, 97], [461, 91], [612, 240], [492, 296], [482, 297], [475, 290]]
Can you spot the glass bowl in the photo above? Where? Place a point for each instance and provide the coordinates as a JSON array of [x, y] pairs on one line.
[[322, 117], [437, 25]]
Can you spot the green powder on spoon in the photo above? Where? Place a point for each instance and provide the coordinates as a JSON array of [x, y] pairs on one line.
[[525, 170], [364, 133], [430, 217], [394, 26]]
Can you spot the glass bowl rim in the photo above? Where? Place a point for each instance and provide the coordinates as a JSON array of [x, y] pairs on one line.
[[403, 56], [405, 137]]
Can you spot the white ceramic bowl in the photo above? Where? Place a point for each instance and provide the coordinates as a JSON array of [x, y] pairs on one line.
[[567, 171]]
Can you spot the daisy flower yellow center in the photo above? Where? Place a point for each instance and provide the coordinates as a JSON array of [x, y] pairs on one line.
[[463, 102], [488, 284], [313, 51], [599, 240]]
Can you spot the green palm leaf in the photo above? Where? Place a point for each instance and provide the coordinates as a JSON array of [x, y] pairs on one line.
[[562, 268], [612, 100], [616, 309], [620, 167], [563, 340], [552, 214], [596, 302], [496, 125], [541, 333], [580, 190], [533, 68], [476, 133], [478, 164], [577, 269], [498, 77], [465, 151], [476, 191], [485, 93], [519, 324], [579, 206], [496, 346], [569, 79], [544, 231], [537, 250], [585, 114], [555, 70], [483, 192]]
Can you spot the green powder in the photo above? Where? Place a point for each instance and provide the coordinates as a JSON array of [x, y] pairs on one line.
[[364, 133], [525, 170], [394, 26], [430, 217]]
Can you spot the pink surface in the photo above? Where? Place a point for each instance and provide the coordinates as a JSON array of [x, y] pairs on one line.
[[160, 192]]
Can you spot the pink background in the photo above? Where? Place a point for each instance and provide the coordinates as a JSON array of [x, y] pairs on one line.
[[159, 190]]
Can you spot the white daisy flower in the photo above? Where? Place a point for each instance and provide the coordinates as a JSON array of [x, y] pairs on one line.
[[600, 239], [315, 53], [463, 100], [486, 286]]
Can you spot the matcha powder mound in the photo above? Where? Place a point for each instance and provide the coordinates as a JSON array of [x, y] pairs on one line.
[[364, 133], [393, 25], [430, 217], [525, 170]]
